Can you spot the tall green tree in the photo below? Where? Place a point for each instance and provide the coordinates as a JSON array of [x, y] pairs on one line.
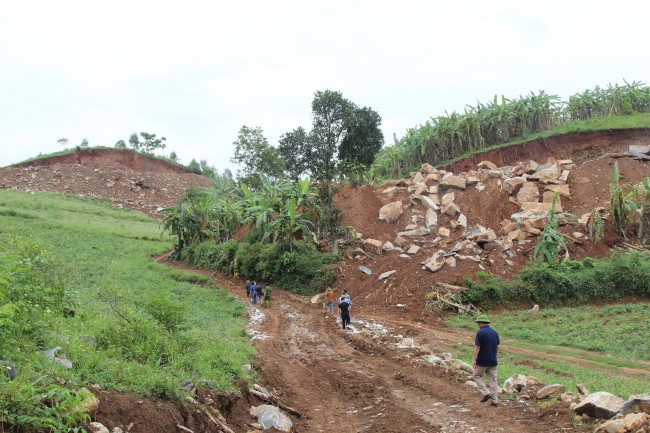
[[295, 150], [344, 138], [256, 157]]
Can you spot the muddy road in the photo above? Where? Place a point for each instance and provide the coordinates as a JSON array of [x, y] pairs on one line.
[[362, 379]]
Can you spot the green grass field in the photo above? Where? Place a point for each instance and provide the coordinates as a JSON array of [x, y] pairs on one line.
[[606, 348], [138, 325]]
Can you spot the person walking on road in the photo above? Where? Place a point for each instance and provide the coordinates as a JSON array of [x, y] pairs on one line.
[[486, 347], [267, 297], [329, 300], [344, 305], [248, 290], [259, 292]]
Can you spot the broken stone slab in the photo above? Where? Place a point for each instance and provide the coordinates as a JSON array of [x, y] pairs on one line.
[[472, 180], [404, 256], [411, 227], [429, 202], [488, 165], [420, 231], [454, 182], [450, 261], [418, 178], [508, 226], [450, 209], [413, 249], [388, 246], [515, 383], [495, 174], [601, 405], [428, 168], [444, 232], [550, 391], [633, 422], [389, 190], [400, 241], [562, 190], [432, 177], [431, 218], [480, 186], [448, 198], [373, 245], [462, 220], [540, 207], [636, 403], [365, 270], [391, 212], [475, 232], [547, 171], [513, 185], [528, 193], [386, 275]]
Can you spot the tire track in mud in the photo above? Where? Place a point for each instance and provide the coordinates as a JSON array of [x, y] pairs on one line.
[[356, 381]]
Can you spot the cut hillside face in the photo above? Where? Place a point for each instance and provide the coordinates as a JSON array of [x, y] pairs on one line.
[[487, 218], [114, 175]]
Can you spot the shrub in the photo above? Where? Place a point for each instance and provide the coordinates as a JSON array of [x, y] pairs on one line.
[[484, 292], [300, 270]]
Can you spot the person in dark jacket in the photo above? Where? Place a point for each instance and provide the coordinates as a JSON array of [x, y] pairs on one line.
[[248, 290], [486, 347], [259, 292], [344, 306]]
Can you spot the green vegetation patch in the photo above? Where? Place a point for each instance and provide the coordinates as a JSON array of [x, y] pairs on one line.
[[592, 345], [79, 275], [301, 270]]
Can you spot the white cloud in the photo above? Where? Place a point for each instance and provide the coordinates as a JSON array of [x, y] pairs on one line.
[[197, 71]]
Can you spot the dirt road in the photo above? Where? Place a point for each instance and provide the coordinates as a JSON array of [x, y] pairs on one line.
[[358, 380]]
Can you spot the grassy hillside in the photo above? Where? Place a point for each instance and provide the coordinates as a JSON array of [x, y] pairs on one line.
[[83, 272], [603, 347]]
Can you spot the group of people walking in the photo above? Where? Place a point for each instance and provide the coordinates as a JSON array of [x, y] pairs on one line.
[[258, 294], [486, 342], [344, 303]]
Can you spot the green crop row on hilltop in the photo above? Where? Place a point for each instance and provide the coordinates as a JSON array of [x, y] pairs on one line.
[[504, 121], [80, 275]]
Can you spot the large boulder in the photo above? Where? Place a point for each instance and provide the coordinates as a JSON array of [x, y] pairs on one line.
[[548, 171], [487, 165], [391, 212], [513, 185], [515, 383], [454, 182], [601, 405], [528, 193]]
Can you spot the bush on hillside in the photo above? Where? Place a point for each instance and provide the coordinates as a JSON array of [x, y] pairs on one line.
[[301, 270], [570, 282]]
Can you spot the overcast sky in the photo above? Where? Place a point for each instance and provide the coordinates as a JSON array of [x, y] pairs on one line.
[[196, 71]]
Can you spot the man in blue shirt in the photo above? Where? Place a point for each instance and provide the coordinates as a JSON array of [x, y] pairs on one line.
[[486, 346]]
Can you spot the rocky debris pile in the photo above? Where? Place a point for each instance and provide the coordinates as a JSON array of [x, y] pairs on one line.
[[132, 189], [611, 414], [440, 229]]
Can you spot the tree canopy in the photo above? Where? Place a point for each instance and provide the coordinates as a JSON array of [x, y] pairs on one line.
[[343, 136], [256, 157]]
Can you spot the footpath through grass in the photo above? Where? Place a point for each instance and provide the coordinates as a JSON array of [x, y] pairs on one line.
[[84, 272], [606, 348]]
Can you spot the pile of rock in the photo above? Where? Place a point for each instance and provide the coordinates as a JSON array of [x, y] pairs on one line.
[[622, 416], [532, 186]]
